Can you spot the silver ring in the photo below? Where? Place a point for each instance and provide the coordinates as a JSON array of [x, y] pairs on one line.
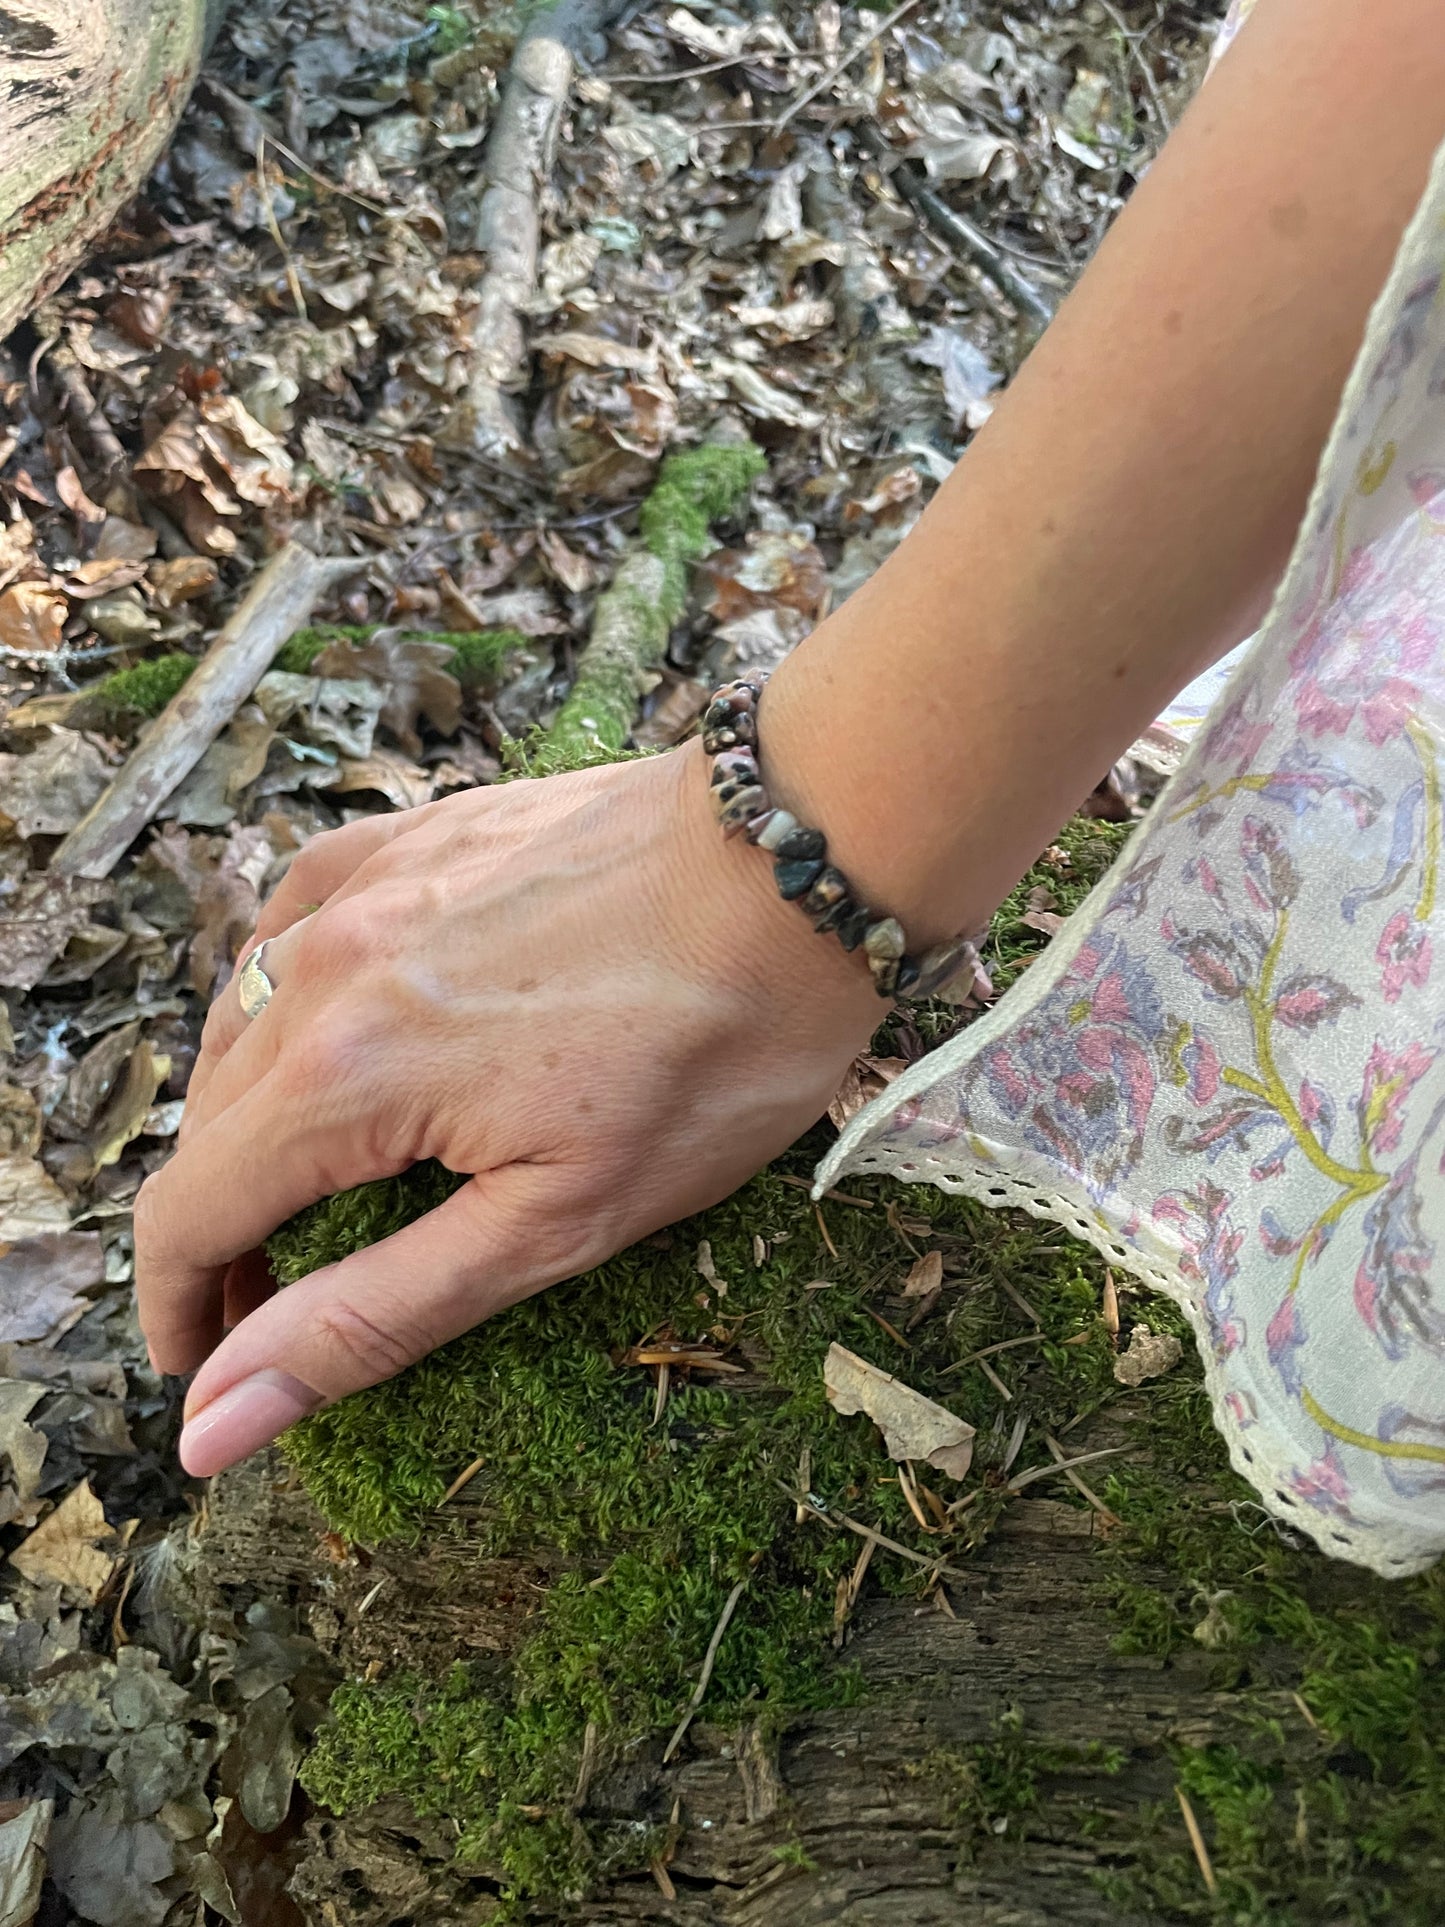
[[256, 987]]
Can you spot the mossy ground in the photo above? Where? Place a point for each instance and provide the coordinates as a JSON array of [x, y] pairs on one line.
[[1335, 1816], [130, 696]]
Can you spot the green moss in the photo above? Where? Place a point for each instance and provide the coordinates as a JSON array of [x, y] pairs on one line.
[[988, 1789], [1331, 1807], [477, 655], [695, 488], [635, 615], [128, 696], [656, 1522]]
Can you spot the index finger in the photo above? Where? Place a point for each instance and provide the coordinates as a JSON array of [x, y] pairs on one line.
[[222, 1195]]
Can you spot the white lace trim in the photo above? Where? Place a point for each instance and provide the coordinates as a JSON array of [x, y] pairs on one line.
[[1251, 1450]]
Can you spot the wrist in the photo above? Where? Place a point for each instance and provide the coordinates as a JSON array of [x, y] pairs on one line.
[[740, 930], [886, 818]]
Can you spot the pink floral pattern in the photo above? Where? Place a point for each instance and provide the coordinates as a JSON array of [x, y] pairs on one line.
[[1229, 1069]]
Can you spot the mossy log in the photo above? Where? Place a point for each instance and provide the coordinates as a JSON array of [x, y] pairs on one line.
[[635, 613], [90, 91], [846, 1817]]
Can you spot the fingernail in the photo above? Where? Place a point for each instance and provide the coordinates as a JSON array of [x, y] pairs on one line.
[[244, 1419]]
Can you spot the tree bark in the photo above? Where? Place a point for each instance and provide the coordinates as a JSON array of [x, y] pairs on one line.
[[90, 92], [842, 1819]]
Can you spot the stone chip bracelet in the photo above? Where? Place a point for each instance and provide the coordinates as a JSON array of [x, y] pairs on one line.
[[801, 869]]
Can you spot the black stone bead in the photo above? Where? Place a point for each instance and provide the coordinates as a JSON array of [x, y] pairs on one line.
[[802, 845], [908, 974], [827, 895], [796, 878], [827, 921], [718, 714], [851, 926]]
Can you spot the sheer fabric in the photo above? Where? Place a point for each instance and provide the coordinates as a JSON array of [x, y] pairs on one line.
[[1228, 1071]]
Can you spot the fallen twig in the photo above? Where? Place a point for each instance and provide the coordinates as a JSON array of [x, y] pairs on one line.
[[860, 46], [962, 232], [518, 160], [831, 1516], [709, 1660], [1196, 1840], [635, 613], [1065, 1465], [278, 603]]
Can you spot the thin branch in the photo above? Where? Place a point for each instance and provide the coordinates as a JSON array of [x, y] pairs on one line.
[[709, 1660], [839, 67], [1196, 1840], [1106, 1513], [1133, 41]]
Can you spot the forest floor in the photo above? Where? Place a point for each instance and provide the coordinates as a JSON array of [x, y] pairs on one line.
[[835, 231]]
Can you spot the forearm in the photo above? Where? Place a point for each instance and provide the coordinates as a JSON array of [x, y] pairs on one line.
[[1124, 516]]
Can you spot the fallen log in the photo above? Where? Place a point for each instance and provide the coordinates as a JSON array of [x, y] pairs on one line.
[[519, 155], [89, 96]]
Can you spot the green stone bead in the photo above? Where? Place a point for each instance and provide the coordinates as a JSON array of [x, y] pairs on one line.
[[794, 878]]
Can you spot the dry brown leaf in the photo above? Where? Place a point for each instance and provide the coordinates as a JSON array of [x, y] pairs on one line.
[[17, 550], [404, 783], [23, 1835], [74, 1548], [673, 715], [865, 1078], [597, 351], [47, 790], [253, 459], [32, 618], [575, 572], [71, 490], [183, 580], [32, 1204], [1150, 1355], [1048, 922], [776, 569], [38, 920], [925, 1276], [125, 541], [102, 576], [23, 1448], [125, 1115], [44, 1283], [411, 674], [913, 1427], [21, 1122], [92, 1080]]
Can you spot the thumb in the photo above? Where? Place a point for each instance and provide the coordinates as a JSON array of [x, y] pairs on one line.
[[356, 1323]]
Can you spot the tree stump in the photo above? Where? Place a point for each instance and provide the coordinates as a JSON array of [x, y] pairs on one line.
[[89, 95]]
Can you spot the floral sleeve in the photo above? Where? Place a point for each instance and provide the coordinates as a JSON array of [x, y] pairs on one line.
[[1228, 1072]]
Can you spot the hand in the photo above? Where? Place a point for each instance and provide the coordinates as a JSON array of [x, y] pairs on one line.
[[575, 991]]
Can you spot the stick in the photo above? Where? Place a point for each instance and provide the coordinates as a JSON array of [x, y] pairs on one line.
[[1106, 1513], [1196, 1840], [709, 1660], [831, 1516], [962, 232], [826, 79], [518, 161], [275, 607]]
